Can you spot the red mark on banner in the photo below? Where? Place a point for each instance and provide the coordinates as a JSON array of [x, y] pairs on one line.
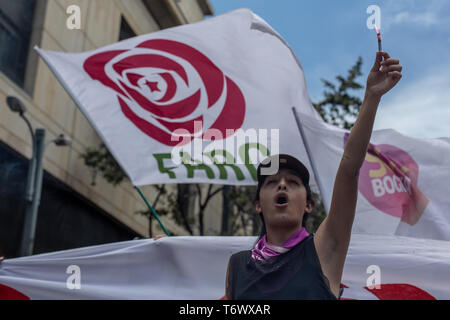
[[8, 293], [400, 291]]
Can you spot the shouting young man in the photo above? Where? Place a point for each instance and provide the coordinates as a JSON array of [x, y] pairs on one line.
[[287, 262]]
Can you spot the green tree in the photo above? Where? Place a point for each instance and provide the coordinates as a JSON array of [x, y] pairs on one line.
[[239, 215], [340, 107], [101, 160]]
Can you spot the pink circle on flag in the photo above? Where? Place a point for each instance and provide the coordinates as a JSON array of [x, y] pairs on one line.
[[388, 180]]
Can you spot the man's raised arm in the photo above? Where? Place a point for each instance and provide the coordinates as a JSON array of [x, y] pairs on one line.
[[333, 235]]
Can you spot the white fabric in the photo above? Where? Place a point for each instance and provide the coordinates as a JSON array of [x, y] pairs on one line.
[[246, 52], [195, 268], [381, 191]]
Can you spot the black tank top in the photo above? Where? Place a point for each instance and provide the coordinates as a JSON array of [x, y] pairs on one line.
[[294, 275]]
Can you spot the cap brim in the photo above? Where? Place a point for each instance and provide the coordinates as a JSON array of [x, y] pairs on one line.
[[281, 161]]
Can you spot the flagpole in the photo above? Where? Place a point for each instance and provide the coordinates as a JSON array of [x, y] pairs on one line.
[[152, 211], [310, 157]]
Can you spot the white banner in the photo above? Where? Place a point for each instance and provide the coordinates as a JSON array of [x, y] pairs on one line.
[[403, 182], [377, 267], [219, 91]]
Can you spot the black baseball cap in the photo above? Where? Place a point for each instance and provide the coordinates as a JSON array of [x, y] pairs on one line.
[[285, 161]]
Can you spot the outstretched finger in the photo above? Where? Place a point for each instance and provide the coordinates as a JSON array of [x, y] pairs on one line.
[[377, 64], [385, 55]]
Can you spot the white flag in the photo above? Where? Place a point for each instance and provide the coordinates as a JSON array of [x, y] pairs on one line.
[[403, 182], [377, 267], [202, 102]]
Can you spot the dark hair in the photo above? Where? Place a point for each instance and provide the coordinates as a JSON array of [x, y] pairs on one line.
[[263, 230]]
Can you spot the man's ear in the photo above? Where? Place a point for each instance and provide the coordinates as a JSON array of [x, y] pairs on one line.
[[309, 207], [257, 206]]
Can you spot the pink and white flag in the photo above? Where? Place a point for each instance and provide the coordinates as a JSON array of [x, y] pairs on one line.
[[403, 182]]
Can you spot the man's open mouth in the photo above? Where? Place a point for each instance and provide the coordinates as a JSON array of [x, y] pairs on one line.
[[281, 200]]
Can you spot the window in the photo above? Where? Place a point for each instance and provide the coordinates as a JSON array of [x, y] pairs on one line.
[[16, 20], [125, 30], [65, 220]]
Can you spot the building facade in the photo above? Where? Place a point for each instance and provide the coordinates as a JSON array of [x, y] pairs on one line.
[[72, 212]]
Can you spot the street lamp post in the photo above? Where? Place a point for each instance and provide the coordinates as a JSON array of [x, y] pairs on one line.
[[31, 213], [34, 178]]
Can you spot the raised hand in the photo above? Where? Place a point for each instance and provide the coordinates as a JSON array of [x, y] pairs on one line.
[[384, 75]]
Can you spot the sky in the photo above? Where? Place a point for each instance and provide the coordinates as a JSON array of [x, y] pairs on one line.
[[329, 36]]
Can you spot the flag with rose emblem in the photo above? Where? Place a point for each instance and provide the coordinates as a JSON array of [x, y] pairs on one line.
[[203, 102]]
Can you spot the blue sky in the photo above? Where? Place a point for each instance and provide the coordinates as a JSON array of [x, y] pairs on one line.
[[329, 36]]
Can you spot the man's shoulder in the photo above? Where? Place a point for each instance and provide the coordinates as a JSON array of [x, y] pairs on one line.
[[240, 255]]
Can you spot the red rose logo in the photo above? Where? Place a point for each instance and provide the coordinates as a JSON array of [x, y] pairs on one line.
[[165, 85]]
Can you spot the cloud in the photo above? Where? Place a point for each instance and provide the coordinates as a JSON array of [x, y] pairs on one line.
[[420, 108], [430, 13], [422, 19]]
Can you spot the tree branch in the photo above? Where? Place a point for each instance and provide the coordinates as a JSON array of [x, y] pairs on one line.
[[210, 195], [160, 192]]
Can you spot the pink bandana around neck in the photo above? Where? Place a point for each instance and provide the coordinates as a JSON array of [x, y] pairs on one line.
[[264, 250]]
